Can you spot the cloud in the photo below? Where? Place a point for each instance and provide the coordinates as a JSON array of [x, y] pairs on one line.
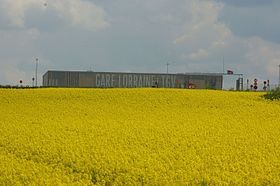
[[81, 13], [12, 12], [247, 3], [201, 54], [206, 39], [18, 53], [13, 74], [77, 13], [247, 21], [263, 55], [204, 35], [204, 26]]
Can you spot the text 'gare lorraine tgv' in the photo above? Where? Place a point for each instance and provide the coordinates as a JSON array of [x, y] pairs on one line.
[[134, 80]]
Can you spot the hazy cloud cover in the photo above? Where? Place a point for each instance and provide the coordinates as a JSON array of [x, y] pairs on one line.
[[139, 36], [18, 13], [248, 3]]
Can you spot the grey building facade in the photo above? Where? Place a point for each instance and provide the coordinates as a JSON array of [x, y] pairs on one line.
[[88, 79]]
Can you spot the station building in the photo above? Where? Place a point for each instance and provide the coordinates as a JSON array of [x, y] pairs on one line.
[[89, 79]]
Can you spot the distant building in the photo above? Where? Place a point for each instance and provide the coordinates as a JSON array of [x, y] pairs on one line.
[[132, 80]]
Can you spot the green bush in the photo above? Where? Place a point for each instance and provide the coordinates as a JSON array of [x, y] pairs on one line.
[[273, 94]]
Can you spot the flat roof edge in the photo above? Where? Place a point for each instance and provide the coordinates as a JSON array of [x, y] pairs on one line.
[[187, 73]]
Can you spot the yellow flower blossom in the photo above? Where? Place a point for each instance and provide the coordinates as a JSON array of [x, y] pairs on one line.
[[138, 136]]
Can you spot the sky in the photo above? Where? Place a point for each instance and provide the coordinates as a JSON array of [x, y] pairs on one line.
[[139, 36]]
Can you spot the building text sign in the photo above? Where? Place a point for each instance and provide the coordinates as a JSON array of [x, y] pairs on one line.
[[107, 80]]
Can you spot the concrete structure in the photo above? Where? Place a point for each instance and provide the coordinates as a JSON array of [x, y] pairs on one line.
[[132, 80]]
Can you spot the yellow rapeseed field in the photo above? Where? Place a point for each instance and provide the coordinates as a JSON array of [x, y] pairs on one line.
[[138, 137]]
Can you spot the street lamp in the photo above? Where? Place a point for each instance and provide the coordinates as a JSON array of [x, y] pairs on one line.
[[167, 65], [36, 72]]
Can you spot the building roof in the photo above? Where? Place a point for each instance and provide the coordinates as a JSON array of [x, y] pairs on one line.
[[187, 73]]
